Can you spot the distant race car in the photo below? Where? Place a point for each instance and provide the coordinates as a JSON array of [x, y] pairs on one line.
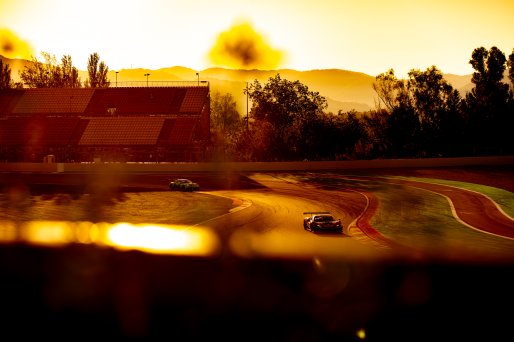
[[183, 184], [321, 221]]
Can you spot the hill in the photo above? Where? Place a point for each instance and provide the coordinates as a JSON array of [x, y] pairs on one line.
[[344, 90]]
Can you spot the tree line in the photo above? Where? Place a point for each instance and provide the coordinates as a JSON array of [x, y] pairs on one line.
[[49, 73], [421, 116]]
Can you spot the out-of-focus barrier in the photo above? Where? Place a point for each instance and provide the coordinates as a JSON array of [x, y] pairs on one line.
[[254, 166]]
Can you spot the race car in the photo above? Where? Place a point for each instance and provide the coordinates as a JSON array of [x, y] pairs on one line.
[[321, 221], [183, 184]]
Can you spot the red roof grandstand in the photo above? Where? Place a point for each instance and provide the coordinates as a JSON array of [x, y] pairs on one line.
[[113, 124], [53, 101]]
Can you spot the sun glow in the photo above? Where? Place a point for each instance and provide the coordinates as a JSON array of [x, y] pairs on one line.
[[369, 36], [161, 239], [241, 47], [12, 46], [150, 238]]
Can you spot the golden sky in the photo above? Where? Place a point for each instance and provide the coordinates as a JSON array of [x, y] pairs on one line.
[[369, 36]]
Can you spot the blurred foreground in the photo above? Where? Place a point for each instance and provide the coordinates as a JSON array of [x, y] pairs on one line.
[[83, 280], [89, 291]]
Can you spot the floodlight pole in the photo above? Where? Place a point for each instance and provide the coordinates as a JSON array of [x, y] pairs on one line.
[[117, 79], [147, 79], [198, 77]]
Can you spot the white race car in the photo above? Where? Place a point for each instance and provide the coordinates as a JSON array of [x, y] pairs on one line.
[[321, 221]]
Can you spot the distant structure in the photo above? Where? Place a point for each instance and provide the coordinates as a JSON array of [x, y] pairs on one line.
[[119, 124]]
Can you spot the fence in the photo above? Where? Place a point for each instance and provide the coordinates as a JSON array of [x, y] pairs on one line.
[[141, 84], [253, 166]]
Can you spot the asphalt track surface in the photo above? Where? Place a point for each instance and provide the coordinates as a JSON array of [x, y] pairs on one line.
[[265, 205], [278, 211]]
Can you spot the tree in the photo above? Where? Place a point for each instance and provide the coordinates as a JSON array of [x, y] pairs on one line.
[[386, 86], [225, 123], [97, 71], [424, 113], [437, 107], [510, 65], [375, 124], [332, 137], [402, 125], [49, 74], [224, 114], [5, 76], [352, 133], [69, 73], [254, 145], [38, 74], [486, 106], [510, 118], [287, 106]]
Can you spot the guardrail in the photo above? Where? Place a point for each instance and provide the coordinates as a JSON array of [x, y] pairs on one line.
[[253, 166], [144, 84]]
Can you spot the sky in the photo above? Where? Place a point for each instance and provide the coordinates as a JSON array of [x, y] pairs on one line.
[[369, 36]]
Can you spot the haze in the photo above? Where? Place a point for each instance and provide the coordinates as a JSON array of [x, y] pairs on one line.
[[368, 36]]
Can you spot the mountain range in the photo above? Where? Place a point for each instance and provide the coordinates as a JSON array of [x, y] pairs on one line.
[[343, 89]]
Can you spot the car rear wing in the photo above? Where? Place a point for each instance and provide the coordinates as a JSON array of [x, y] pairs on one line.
[[316, 212]]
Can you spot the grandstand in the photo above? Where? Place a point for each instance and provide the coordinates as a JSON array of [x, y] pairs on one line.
[[119, 124]]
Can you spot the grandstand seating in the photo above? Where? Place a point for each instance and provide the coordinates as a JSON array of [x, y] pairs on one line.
[[182, 131], [126, 101], [28, 131], [172, 122], [8, 99], [53, 101], [122, 131], [194, 100]]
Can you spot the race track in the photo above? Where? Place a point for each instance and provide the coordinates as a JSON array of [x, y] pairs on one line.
[[272, 275], [262, 213], [278, 209], [274, 215]]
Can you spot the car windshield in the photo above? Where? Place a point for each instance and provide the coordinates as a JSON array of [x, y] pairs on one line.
[[323, 218]]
